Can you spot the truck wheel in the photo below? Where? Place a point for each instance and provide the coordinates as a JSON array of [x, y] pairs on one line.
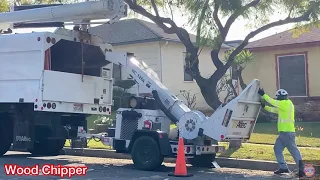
[[6, 136], [204, 160], [146, 154], [48, 147]]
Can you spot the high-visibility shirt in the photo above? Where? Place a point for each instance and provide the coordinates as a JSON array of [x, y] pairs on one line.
[[285, 111]]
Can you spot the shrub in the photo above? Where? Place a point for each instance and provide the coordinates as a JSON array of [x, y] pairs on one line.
[[104, 120]]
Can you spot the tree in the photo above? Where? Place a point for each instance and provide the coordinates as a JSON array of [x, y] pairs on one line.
[[206, 17], [120, 92]]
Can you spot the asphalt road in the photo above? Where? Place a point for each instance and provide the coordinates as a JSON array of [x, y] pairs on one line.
[[116, 169]]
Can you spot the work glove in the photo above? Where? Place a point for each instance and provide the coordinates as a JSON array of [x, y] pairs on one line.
[[262, 104], [261, 92]]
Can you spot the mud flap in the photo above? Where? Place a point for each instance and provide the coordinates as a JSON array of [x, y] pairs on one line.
[[23, 136]]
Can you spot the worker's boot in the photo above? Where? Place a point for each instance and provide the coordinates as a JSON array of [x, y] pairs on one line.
[[280, 171], [301, 173]]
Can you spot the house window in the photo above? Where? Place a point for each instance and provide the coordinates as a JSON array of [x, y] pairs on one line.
[[186, 76], [116, 72], [292, 75]]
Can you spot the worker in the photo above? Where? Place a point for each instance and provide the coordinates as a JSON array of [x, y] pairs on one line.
[[286, 128]]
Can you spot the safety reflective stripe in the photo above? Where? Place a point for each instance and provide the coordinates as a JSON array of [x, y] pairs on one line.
[[290, 112], [274, 110], [285, 121], [289, 120]]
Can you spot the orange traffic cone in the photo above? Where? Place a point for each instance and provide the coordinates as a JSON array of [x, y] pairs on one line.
[[181, 167]]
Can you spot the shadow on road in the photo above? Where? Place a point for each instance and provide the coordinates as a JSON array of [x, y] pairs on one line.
[[123, 169]]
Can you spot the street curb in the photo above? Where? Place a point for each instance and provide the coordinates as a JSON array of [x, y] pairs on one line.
[[223, 162]]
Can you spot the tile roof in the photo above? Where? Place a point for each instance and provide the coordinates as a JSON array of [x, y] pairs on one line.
[[131, 31], [286, 38]]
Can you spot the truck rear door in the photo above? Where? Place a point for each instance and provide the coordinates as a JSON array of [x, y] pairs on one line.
[[68, 87]]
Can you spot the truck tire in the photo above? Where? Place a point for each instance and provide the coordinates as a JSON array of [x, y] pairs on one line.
[[204, 160], [48, 147], [6, 137], [146, 154]]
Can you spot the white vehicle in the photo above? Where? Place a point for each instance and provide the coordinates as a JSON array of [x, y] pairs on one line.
[[41, 94], [143, 129], [50, 81]]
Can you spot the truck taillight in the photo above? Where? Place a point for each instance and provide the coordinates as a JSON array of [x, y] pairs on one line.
[[222, 137], [188, 149], [147, 124]]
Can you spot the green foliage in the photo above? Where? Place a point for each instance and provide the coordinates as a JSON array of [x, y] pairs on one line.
[[104, 120], [242, 59], [120, 94], [4, 5], [257, 15], [120, 97]]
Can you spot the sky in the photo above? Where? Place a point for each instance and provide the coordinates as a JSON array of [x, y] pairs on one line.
[[238, 30]]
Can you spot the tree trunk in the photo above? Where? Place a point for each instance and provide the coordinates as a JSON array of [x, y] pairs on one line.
[[209, 93]]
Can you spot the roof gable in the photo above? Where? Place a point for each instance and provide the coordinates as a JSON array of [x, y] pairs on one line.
[[286, 38], [130, 31]]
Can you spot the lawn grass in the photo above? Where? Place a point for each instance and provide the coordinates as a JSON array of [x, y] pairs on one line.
[[247, 151], [92, 144], [265, 152], [92, 118], [307, 135]]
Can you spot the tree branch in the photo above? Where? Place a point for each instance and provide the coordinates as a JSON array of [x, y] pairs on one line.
[[201, 19], [215, 58], [304, 17], [234, 91], [155, 8], [181, 33], [291, 9], [216, 18], [235, 15], [241, 81]]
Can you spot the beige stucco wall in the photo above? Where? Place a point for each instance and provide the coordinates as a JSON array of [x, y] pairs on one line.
[[147, 52], [173, 73], [264, 68]]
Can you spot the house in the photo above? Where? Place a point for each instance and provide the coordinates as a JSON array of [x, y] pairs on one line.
[[284, 61], [164, 53]]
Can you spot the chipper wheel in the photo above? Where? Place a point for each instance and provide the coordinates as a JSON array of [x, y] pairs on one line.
[[146, 154]]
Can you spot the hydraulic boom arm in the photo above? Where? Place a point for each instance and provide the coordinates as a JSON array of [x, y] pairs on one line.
[[84, 11]]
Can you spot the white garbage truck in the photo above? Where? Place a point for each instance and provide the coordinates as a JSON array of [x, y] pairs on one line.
[[50, 82]]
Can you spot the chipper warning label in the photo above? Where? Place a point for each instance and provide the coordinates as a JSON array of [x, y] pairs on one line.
[[45, 170]]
